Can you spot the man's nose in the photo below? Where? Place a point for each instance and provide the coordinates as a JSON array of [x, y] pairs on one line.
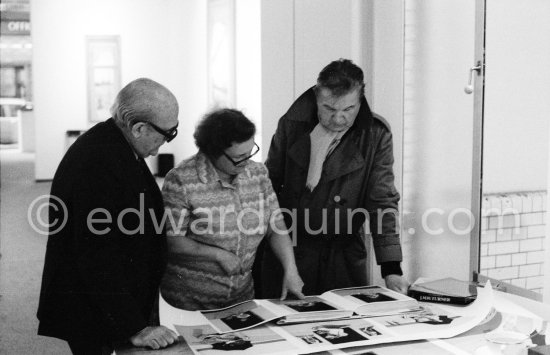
[[339, 117]]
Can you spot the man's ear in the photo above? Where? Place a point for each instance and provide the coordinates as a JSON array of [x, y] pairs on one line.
[[138, 129]]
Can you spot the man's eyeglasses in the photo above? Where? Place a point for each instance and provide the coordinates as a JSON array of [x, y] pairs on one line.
[[168, 134], [237, 162]]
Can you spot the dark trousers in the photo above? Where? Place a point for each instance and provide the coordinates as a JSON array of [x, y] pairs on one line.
[[79, 347], [324, 263]]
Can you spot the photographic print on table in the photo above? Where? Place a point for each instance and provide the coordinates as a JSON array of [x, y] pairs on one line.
[[338, 334], [230, 341], [424, 317], [374, 300], [373, 297], [370, 331], [308, 305], [331, 305], [304, 331], [394, 325], [240, 316], [310, 339], [242, 320], [256, 341]]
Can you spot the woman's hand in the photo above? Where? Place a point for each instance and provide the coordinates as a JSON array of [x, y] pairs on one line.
[[282, 247], [292, 282], [229, 262]]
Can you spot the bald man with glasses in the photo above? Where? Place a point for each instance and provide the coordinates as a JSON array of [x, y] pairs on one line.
[[104, 263]]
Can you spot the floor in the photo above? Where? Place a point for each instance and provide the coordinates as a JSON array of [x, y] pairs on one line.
[[22, 257]]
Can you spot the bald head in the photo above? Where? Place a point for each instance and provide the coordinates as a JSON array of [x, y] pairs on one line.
[[147, 114], [145, 100]]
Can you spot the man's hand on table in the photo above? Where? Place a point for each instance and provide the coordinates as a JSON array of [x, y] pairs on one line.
[[397, 283], [154, 337]]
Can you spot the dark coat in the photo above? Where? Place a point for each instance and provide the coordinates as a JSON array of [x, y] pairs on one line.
[[357, 177], [101, 285]]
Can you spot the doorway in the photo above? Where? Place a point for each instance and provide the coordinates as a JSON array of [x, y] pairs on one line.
[[512, 112]]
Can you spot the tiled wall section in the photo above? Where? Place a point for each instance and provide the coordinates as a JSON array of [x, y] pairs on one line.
[[513, 238]]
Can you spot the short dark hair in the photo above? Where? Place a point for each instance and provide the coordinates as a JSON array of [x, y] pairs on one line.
[[219, 129], [340, 77]]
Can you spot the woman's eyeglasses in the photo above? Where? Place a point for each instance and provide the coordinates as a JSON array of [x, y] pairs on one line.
[[237, 162]]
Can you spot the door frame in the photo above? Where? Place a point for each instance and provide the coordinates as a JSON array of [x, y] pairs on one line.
[[477, 78]]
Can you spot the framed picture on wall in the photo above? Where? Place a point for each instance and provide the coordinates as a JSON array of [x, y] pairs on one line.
[[103, 69], [221, 53]]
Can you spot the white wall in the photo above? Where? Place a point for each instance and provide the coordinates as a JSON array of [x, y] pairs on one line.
[[186, 70], [323, 33], [155, 38], [299, 38], [249, 63], [166, 41], [383, 54], [546, 267], [277, 36], [438, 127], [517, 96]]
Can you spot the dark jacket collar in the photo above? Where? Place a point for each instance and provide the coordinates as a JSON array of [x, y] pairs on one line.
[[304, 109], [124, 161], [348, 156]]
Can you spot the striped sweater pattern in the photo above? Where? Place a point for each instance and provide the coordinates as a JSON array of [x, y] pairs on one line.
[[235, 217]]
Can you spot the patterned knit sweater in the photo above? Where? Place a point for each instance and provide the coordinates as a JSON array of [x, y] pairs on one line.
[[235, 217]]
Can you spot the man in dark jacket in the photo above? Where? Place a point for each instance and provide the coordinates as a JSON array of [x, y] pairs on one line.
[[104, 254], [330, 163]]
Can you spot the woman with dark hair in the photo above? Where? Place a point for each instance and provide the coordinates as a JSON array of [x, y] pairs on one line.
[[219, 206]]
